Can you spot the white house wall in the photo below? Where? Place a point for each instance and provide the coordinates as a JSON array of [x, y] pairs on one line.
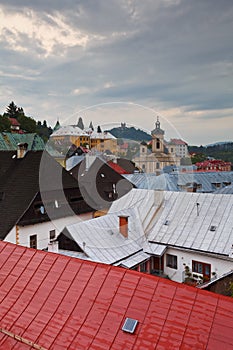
[[42, 230], [218, 265]]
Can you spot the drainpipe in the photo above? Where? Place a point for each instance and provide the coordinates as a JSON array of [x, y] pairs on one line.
[[17, 234]]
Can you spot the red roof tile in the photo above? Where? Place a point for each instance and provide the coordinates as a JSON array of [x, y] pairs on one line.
[[14, 122], [57, 302], [178, 142]]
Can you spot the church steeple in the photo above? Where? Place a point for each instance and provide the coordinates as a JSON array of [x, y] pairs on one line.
[[157, 138], [157, 130], [157, 124]]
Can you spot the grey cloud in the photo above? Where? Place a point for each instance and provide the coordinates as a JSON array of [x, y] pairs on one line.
[[177, 52]]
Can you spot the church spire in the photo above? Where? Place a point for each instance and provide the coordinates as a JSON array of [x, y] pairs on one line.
[[157, 130], [157, 124]]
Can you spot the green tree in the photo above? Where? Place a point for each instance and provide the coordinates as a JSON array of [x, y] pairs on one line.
[[12, 110], [27, 124], [5, 124], [43, 130]]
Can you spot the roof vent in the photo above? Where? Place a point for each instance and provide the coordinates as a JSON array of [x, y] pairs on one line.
[[166, 223], [213, 228], [129, 325]]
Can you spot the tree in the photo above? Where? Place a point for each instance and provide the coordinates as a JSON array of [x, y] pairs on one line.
[[5, 124], [27, 124], [99, 129], [12, 110], [80, 123], [43, 130]]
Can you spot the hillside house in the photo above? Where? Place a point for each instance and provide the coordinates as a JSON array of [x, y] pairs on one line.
[[37, 198]]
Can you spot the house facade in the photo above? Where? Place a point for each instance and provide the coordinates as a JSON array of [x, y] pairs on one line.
[[38, 198]]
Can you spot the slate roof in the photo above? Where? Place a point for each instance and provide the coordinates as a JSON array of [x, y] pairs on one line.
[[9, 141], [97, 181], [21, 181], [175, 181], [50, 301]]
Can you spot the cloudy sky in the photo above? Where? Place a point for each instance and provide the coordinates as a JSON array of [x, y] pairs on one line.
[[121, 61]]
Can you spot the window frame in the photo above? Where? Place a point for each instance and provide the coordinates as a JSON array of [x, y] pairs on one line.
[[52, 235], [173, 263], [33, 241]]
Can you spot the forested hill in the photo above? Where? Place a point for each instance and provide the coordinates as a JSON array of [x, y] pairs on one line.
[[222, 151], [131, 133]]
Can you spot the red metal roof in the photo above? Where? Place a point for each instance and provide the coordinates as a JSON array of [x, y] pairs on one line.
[[57, 302], [117, 168]]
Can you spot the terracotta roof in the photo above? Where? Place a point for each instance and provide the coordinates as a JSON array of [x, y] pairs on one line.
[[177, 142], [50, 301]]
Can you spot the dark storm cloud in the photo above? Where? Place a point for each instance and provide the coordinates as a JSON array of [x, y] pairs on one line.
[[176, 52]]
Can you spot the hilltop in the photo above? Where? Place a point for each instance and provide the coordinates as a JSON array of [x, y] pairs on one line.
[[131, 133]]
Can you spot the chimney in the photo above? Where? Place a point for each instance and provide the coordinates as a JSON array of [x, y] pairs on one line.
[[53, 247], [21, 150], [123, 225]]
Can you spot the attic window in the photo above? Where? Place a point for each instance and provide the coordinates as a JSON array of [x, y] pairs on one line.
[[129, 325], [102, 175], [213, 228]]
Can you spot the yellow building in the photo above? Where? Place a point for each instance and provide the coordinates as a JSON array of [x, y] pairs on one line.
[[71, 134], [103, 141]]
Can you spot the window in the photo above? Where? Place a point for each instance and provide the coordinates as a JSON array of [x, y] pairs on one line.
[[52, 234], [33, 241], [172, 261], [203, 268], [143, 267], [157, 144], [157, 165]]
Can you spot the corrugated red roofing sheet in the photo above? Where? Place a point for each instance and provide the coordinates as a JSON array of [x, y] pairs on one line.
[[117, 168], [56, 302]]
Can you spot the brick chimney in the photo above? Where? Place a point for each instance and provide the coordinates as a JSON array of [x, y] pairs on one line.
[[123, 225], [21, 150]]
